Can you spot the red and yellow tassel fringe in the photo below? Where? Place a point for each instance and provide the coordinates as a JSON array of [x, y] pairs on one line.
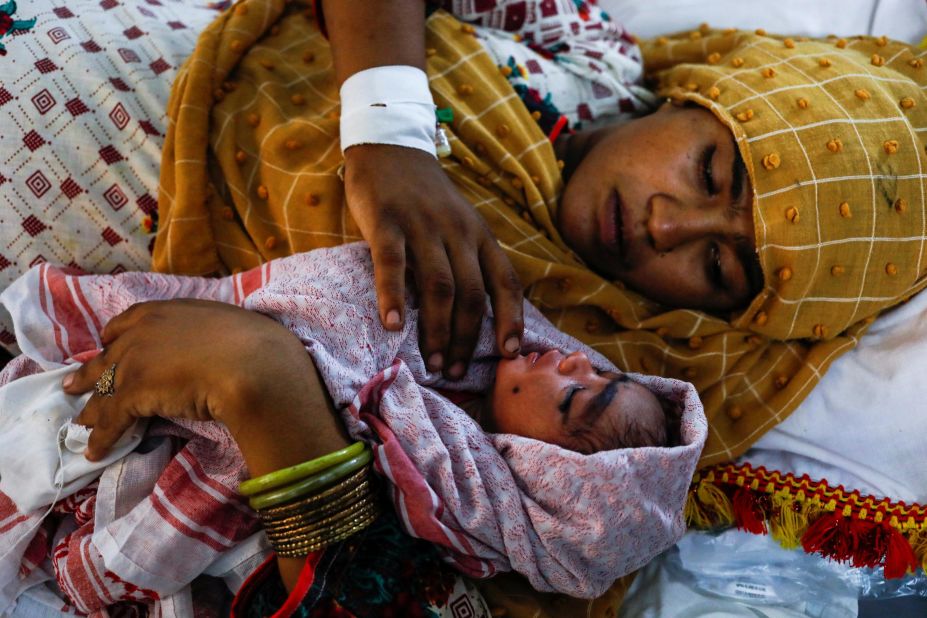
[[846, 526]]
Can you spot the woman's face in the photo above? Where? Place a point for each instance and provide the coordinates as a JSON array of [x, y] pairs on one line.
[[563, 400], [664, 204]]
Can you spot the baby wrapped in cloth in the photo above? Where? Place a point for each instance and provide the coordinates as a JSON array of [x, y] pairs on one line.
[[569, 522]]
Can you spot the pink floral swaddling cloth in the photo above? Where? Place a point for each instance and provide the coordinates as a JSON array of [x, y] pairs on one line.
[[569, 522]]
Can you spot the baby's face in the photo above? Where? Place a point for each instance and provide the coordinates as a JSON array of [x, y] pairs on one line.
[[564, 400]]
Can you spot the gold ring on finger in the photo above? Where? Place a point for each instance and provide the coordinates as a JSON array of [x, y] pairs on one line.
[[106, 385]]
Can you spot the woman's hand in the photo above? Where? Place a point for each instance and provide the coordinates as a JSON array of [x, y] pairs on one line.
[[204, 360], [410, 212]]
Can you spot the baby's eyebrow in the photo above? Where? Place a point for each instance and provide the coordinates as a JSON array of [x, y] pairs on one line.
[[600, 402]]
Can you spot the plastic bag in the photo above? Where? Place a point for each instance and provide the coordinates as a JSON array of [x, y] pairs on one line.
[[736, 573]]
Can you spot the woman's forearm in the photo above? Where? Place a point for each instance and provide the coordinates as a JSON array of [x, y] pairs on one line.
[[371, 33], [286, 426]]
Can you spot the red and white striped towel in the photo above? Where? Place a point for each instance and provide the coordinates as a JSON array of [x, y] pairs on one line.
[[569, 522]]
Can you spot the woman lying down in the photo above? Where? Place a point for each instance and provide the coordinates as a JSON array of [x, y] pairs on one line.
[[564, 471]]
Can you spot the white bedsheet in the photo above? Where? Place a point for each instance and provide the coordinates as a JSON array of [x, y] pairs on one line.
[[865, 424], [905, 20]]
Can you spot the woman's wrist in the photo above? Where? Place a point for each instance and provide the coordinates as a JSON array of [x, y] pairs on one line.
[[273, 439], [389, 105]]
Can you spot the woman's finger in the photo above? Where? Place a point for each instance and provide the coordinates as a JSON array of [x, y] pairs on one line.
[[388, 253], [113, 420], [89, 416], [123, 322], [434, 282], [85, 378], [108, 415], [506, 294], [469, 307]]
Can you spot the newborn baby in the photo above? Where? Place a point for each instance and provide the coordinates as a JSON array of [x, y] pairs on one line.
[[533, 479], [564, 400]]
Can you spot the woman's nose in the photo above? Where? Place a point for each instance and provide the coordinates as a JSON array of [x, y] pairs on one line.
[[575, 361], [672, 223]]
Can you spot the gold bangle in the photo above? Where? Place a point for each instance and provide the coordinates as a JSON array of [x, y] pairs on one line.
[[305, 551], [302, 549], [305, 519], [289, 508], [310, 517], [298, 509], [298, 523], [312, 544], [320, 530], [312, 536]]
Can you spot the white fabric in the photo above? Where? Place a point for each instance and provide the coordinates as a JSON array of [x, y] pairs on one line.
[[388, 105], [905, 20], [155, 519], [40, 602], [41, 450], [864, 424], [36, 597]]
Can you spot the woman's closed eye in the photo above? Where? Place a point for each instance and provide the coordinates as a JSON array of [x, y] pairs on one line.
[[713, 270], [707, 175]]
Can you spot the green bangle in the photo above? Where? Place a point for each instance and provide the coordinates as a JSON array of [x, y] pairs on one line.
[[286, 476], [305, 486]]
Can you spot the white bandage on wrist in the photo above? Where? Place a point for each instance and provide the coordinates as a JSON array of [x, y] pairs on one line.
[[388, 105]]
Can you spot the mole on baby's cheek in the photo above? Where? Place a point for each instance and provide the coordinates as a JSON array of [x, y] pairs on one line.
[[516, 390]]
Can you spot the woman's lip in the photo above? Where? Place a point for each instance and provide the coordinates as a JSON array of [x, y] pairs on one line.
[[611, 228]]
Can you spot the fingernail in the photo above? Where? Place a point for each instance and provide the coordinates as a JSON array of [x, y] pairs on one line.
[[435, 362], [512, 344], [457, 370], [392, 319], [68, 380]]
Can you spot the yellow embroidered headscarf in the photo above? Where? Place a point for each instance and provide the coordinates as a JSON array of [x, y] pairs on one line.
[[830, 132], [833, 134]]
